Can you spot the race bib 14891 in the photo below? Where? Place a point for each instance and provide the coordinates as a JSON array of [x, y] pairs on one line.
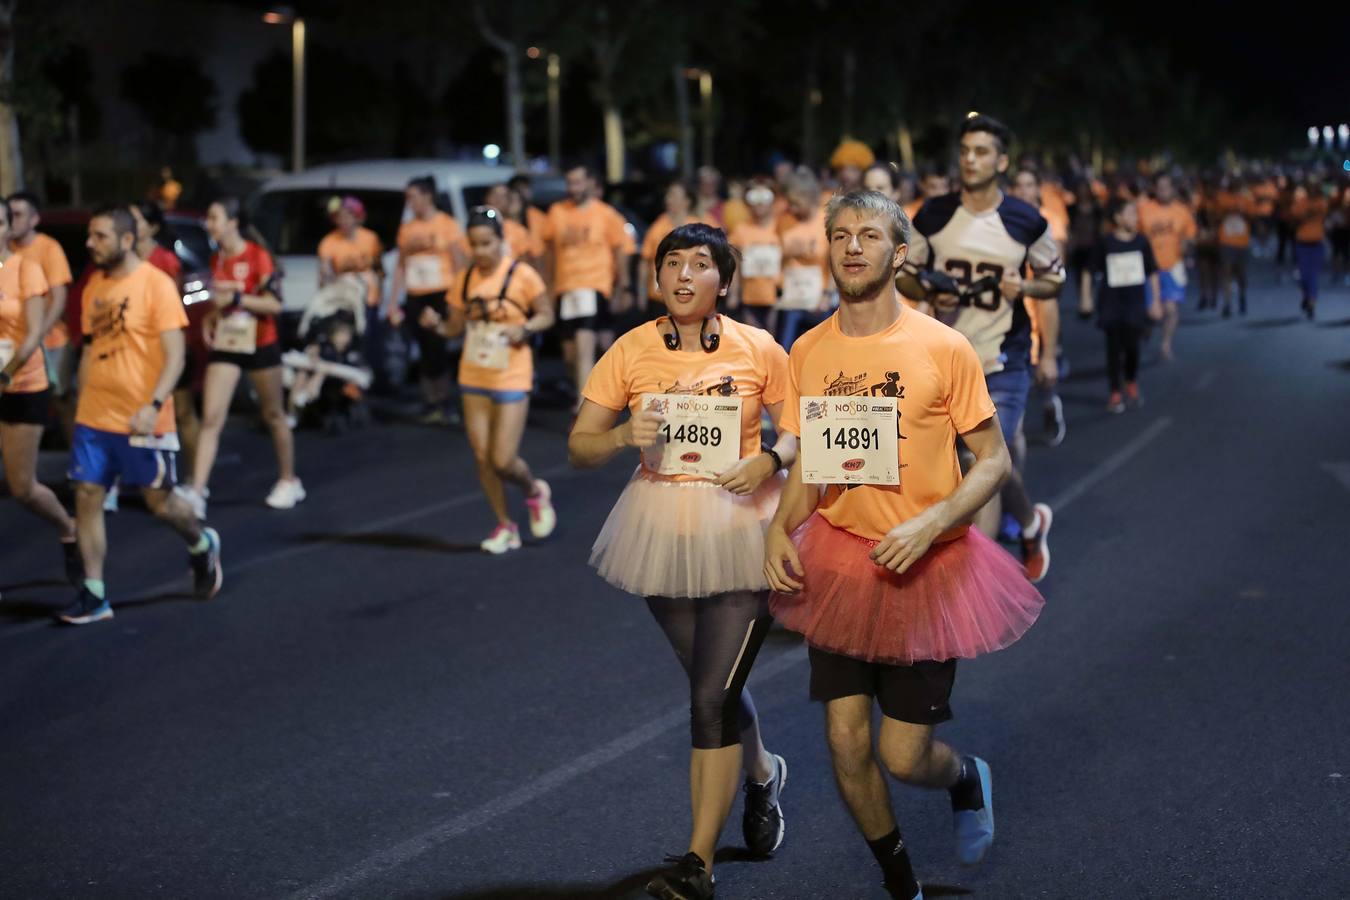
[[849, 440]]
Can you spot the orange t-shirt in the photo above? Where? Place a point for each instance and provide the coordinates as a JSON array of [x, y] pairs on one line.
[[1055, 211], [122, 320], [20, 281], [912, 208], [536, 222], [938, 381], [760, 291], [1167, 229], [583, 240], [1231, 211], [1266, 195], [360, 254], [735, 213], [424, 247], [47, 253], [748, 363], [486, 304], [1312, 229], [1057, 216], [804, 244]]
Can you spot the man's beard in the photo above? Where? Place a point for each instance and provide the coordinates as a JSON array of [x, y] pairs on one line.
[[112, 262], [867, 291]]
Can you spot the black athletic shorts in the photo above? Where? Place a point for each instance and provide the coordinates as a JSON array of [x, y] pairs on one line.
[[603, 320], [268, 357], [28, 408], [918, 693]]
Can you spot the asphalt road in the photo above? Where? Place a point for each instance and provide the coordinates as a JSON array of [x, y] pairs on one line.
[[372, 708]]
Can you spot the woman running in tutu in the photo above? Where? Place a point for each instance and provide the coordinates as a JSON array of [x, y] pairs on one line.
[[688, 531], [887, 581]]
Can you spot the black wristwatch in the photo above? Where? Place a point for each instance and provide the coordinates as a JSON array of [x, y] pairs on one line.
[[157, 404], [777, 460]]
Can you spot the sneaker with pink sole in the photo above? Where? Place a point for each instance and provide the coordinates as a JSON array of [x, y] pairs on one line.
[[542, 517], [504, 538]]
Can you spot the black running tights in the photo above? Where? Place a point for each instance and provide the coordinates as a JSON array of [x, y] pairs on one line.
[[716, 639], [1122, 353]]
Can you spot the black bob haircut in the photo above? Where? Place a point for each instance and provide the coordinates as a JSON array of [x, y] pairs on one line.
[[989, 125], [696, 234]]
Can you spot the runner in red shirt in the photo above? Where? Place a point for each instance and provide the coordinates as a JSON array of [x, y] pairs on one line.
[[243, 337]]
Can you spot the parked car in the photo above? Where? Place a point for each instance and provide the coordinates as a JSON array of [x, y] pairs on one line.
[[291, 211]]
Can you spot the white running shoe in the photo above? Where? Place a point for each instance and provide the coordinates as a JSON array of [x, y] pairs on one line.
[[193, 499], [286, 494], [502, 539], [542, 517]]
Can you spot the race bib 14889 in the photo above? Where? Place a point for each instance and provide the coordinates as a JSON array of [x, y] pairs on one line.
[[701, 435]]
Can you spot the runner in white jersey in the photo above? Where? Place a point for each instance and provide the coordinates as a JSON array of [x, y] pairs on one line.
[[977, 233]]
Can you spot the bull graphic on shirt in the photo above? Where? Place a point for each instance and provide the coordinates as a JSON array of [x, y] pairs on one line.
[[108, 323], [843, 385], [723, 386]]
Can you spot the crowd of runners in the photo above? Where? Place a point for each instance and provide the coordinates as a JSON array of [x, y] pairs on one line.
[[825, 376]]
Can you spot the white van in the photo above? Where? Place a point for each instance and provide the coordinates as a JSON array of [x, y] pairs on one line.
[[291, 211]]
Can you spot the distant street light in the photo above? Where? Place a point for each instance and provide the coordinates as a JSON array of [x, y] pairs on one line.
[[1329, 135], [1312, 135], [555, 111], [285, 15], [1344, 134], [705, 93]]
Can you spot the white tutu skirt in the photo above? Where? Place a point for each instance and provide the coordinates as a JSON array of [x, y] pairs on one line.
[[685, 538]]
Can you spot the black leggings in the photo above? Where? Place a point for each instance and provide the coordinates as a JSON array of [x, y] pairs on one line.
[[1122, 352], [716, 639]]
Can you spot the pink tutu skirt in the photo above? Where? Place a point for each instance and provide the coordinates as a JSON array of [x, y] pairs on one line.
[[685, 538], [965, 597]]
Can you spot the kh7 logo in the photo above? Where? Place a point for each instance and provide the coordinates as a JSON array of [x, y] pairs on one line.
[[691, 457], [852, 465]]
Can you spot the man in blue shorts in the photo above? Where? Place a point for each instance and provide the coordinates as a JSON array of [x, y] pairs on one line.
[[133, 323]]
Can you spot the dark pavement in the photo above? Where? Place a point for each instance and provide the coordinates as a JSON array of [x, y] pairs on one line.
[[374, 709]]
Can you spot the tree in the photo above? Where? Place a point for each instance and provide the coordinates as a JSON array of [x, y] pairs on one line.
[[174, 96], [348, 107], [11, 153]]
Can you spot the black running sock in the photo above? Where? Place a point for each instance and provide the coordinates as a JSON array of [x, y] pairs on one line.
[[967, 793], [894, 861]]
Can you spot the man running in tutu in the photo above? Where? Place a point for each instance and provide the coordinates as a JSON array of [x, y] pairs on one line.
[[872, 557]]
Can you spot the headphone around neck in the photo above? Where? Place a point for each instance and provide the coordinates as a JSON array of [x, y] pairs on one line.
[[708, 342]]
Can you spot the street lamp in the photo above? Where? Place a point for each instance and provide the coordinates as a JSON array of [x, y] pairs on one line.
[[285, 15], [705, 93]]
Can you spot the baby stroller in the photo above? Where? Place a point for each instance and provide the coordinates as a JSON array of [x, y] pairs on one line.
[[330, 378]]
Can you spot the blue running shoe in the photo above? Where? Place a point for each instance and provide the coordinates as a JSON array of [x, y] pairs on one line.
[[86, 609], [975, 827]]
